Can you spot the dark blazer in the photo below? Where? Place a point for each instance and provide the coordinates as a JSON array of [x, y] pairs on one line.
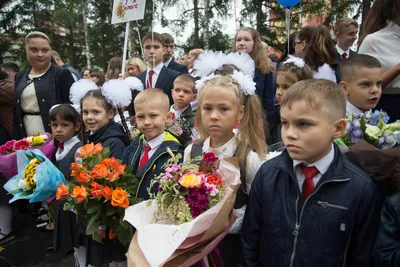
[[51, 88], [173, 65], [339, 58], [165, 81], [335, 226], [265, 89]]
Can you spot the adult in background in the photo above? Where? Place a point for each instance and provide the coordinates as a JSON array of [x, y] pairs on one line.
[[191, 58], [75, 74], [248, 40], [134, 67], [114, 68], [381, 39], [38, 88], [168, 56]]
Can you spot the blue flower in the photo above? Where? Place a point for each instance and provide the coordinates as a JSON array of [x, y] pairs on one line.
[[387, 141]]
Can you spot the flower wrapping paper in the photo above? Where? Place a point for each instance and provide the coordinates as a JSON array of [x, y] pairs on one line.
[[48, 178], [160, 241]]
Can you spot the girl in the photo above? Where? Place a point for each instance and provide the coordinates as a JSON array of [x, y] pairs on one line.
[[65, 124], [223, 104], [192, 56], [290, 72], [248, 41], [114, 68]]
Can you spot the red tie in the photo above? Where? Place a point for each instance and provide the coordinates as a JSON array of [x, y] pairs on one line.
[[308, 185], [344, 56], [150, 79], [61, 145], [145, 156]]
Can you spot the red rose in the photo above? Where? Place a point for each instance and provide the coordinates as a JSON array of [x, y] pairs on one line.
[[22, 145], [209, 158]]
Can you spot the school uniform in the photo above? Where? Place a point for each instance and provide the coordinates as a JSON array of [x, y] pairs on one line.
[[157, 155], [173, 65], [189, 116], [325, 72], [351, 109], [64, 234], [274, 126], [265, 90], [340, 55], [335, 225]]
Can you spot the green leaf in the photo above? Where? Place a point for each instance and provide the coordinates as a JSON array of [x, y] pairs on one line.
[[110, 210], [129, 169], [339, 142], [97, 237], [105, 153], [93, 225], [123, 234], [92, 208]]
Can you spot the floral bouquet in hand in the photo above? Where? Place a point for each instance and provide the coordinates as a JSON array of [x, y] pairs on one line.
[[37, 178], [192, 207], [101, 191], [8, 156], [179, 126]]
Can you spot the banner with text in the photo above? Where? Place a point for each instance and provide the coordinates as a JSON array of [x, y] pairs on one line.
[[127, 10]]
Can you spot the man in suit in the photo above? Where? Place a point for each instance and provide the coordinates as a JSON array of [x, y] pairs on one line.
[[169, 62], [156, 75], [346, 34]]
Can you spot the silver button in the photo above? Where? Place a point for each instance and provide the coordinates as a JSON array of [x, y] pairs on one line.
[[18, 101], [20, 125], [42, 100]]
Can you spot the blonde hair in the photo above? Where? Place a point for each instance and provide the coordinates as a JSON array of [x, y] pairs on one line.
[[299, 74], [36, 34], [186, 79], [196, 52], [152, 95], [136, 62], [343, 23], [319, 95], [258, 54], [249, 127]]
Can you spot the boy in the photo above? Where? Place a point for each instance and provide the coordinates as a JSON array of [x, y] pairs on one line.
[[346, 34], [148, 152], [361, 81], [156, 75], [309, 206], [183, 94], [168, 57]]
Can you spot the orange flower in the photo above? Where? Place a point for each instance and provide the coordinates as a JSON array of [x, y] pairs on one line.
[[62, 192], [114, 168], [96, 186], [76, 169], [90, 150], [111, 234], [79, 193], [99, 171], [119, 198], [106, 192], [96, 193], [83, 178]]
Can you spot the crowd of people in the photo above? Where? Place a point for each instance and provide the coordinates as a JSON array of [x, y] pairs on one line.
[[309, 206]]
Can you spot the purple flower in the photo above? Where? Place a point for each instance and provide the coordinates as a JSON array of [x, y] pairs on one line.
[[387, 141], [173, 168], [354, 131], [197, 200], [376, 116]]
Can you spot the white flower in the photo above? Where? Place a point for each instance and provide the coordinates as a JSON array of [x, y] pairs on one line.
[[45, 137], [246, 83], [22, 184]]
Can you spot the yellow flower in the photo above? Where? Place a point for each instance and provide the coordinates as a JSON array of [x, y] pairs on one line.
[[29, 173], [37, 140], [190, 180]]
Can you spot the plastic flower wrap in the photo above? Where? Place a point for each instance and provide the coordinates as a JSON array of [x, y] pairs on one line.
[[37, 178], [192, 209], [178, 126], [8, 156], [102, 190]]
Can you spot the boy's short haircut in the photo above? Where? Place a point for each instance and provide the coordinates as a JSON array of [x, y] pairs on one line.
[[354, 63], [168, 39], [343, 23], [318, 94], [153, 36], [188, 79], [152, 95]]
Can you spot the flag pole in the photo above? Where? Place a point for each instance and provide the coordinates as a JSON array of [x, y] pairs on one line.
[[125, 48]]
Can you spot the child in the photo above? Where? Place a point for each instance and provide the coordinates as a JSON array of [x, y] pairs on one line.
[[290, 72], [65, 123], [148, 152], [309, 206], [183, 93], [224, 103], [361, 80]]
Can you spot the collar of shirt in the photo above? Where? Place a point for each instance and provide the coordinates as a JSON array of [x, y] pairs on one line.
[[154, 144], [341, 51], [61, 153], [322, 165], [156, 69], [166, 63], [225, 151], [394, 28], [178, 112], [351, 109]]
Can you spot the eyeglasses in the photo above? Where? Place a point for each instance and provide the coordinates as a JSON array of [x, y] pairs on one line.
[[297, 42]]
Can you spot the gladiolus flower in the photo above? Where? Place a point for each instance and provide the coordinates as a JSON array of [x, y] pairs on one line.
[[99, 171], [22, 145], [190, 180], [106, 192], [90, 150], [120, 198], [83, 178], [62, 192], [79, 193]]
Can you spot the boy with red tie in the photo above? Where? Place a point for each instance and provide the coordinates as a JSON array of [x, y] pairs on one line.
[[309, 206], [148, 152]]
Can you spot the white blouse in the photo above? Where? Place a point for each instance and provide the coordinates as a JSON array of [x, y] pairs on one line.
[[325, 72]]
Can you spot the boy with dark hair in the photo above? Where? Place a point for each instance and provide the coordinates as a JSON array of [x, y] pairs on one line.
[[309, 206], [361, 81], [168, 57]]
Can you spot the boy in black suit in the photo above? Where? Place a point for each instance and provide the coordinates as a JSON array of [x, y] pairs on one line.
[[346, 34], [157, 75], [169, 62]]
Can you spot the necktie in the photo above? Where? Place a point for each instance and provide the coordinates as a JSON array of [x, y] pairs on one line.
[[150, 79], [145, 156], [61, 145], [344, 56], [308, 185]]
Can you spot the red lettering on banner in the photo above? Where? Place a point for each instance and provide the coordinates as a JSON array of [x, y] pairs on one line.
[[131, 7]]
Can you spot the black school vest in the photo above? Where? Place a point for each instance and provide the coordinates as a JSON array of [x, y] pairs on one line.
[[65, 163]]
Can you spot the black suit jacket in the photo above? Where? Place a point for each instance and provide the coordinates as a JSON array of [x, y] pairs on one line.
[[339, 58], [165, 81], [173, 65]]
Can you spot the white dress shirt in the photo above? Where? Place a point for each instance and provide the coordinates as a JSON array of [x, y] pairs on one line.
[[157, 70], [167, 62], [351, 109], [322, 165], [325, 72], [154, 144], [341, 51], [61, 153], [178, 112], [384, 45]]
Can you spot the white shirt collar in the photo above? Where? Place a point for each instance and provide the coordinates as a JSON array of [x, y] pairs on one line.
[[394, 28], [322, 165], [156, 142], [178, 112], [225, 151], [167, 62], [351, 109], [60, 154], [156, 69], [341, 51]]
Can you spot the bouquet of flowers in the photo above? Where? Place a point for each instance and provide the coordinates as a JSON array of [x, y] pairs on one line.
[[8, 156], [193, 205], [101, 191], [37, 178], [179, 126]]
